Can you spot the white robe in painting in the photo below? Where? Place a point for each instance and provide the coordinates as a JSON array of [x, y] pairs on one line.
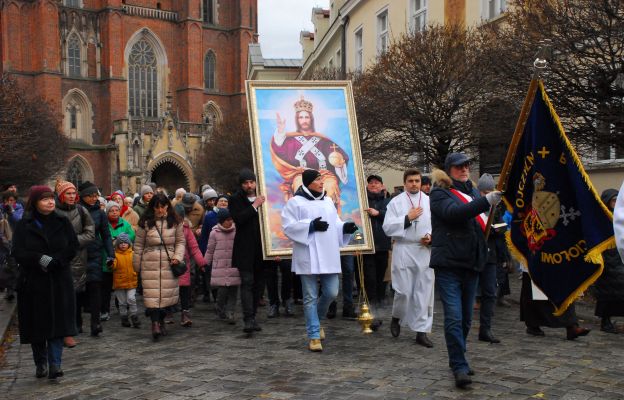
[[317, 252], [618, 222], [412, 279]]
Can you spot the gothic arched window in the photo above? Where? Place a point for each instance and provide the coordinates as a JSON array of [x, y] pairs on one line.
[[75, 173], [210, 63], [73, 56], [143, 80]]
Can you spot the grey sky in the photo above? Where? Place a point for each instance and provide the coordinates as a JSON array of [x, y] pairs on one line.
[[279, 24]]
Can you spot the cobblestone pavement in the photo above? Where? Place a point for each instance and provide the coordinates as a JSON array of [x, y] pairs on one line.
[[213, 360]]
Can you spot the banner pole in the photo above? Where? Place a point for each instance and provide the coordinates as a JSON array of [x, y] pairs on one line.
[[540, 64]]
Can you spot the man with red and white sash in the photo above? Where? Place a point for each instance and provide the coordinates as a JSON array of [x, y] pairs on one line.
[[408, 223], [458, 252]]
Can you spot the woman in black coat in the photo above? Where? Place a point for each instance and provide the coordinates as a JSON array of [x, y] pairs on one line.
[[44, 243], [609, 288]]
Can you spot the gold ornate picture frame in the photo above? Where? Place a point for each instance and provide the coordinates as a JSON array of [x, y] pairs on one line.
[[296, 125]]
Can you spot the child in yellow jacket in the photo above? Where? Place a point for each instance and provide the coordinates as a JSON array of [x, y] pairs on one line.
[[125, 281]]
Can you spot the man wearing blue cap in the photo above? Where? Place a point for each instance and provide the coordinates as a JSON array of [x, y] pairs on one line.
[[459, 252]]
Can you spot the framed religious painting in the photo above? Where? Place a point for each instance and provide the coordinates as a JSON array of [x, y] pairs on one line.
[[297, 125]]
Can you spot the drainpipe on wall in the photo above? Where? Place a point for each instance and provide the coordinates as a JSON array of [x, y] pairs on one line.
[[343, 48]]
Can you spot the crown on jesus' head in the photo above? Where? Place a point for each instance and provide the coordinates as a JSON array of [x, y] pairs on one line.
[[303, 105]]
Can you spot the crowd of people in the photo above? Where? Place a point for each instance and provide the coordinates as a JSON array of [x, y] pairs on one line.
[[69, 251]]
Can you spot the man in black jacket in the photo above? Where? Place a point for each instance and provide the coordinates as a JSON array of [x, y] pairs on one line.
[[375, 265], [247, 251], [459, 253]]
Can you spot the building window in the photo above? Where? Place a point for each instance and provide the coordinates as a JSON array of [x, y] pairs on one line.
[[493, 8], [73, 3], [73, 118], [75, 173], [358, 50], [73, 55], [382, 32], [419, 15], [143, 80], [208, 12], [210, 64]]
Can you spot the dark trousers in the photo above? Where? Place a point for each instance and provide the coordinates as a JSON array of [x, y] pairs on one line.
[[271, 278], [90, 299], [226, 298], [347, 265], [48, 352], [156, 314], [502, 280], [107, 289], [375, 266], [185, 297], [487, 281], [252, 283], [297, 288]]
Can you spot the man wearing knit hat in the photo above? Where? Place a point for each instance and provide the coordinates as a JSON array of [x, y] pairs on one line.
[[247, 251], [194, 212], [311, 221], [146, 195]]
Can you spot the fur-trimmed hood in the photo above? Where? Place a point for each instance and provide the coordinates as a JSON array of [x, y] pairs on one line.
[[439, 178]]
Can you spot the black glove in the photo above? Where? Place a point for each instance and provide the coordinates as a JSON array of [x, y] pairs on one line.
[[318, 226], [349, 228], [54, 264]]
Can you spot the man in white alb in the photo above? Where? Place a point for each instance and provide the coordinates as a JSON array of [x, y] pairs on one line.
[[408, 223]]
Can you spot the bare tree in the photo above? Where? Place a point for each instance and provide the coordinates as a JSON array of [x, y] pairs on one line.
[[424, 96], [32, 145], [585, 78], [226, 153]]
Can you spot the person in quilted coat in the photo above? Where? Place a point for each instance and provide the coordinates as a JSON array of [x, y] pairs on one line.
[[159, 243], [192, 250], [224, 276]]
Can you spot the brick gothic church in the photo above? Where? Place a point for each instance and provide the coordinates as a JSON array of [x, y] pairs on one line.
[[140, 83]]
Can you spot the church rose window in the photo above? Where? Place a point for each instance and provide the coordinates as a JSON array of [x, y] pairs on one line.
[[73, 56], [210, 71], [143, 80]]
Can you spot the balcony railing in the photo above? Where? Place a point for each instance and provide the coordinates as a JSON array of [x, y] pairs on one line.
[[150, 12]]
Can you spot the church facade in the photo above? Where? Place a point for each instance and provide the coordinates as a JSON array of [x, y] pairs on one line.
[[140, 84]]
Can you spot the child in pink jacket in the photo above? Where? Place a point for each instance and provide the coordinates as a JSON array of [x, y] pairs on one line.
[[225, 276], [184, 281]]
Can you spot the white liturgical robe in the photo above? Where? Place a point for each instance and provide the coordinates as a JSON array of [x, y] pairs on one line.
[[313, 252], [412, 279]]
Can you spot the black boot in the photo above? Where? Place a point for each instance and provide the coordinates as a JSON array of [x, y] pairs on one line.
[[125, 322], [349, 313], [607, 326], [256, 326], [249, 326], [42, 371], [485, 335], [96, 330], [155, 330], [55, 372], [423, 340], [462, 380], [331, 313], [395, 327], [135, 321]]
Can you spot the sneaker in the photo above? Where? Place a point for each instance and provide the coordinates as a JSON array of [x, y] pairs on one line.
[[289, 308], [104, 316], [315, 345], [273, 311]]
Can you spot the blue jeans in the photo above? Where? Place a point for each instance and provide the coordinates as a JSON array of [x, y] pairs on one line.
[[315, 307], [457, 289], [48, 352], [347, 264]]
